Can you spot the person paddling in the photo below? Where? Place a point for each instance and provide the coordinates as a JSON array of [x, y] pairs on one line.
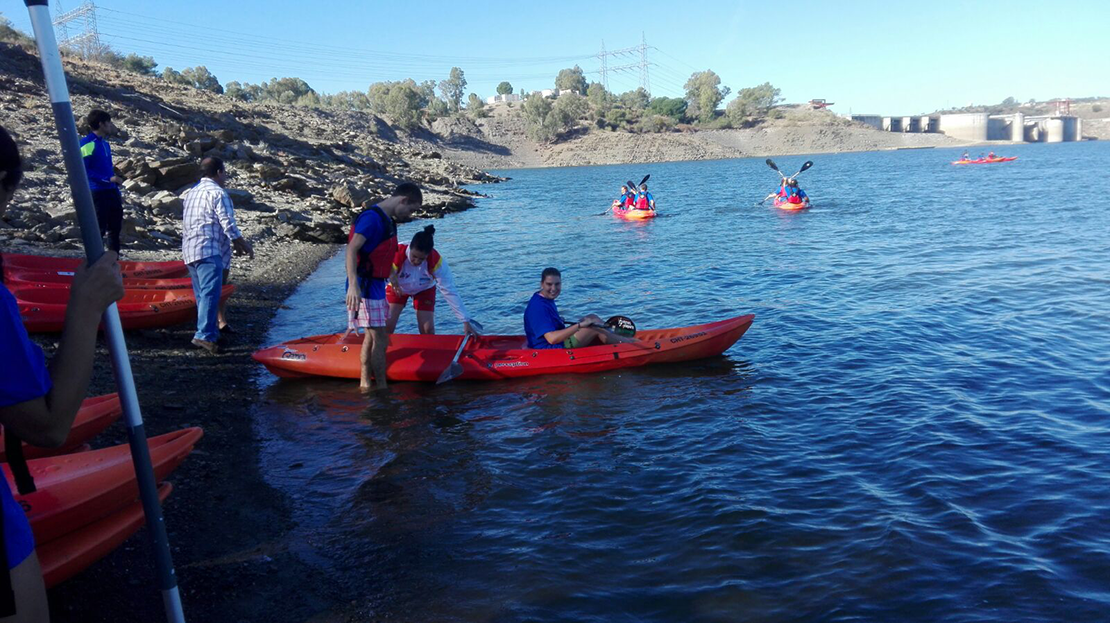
[[418, 271], [644, 201], [627, 199], [966, 156], [543, 327], [371, 247], [39, 402], [790, 192]]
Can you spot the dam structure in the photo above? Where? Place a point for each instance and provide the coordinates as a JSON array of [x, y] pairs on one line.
[[981, 127]]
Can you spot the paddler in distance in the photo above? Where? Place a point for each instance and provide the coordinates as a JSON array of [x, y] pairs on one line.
[[544, 328], [644, 200]]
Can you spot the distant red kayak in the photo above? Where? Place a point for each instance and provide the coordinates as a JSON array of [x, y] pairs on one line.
[[632, 214], [77, 489], [494, 357], [144, 270], [43, 308], [985, 160], [93, 417], [786, 205], [65, 279], [66, 556]]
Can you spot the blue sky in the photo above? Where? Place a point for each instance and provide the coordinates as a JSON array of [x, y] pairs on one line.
[[867, 57]]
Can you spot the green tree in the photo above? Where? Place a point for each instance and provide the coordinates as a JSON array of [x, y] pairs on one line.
[[504, 88], [202, 79], [752, 103], [348, 100], [571, 80], [453, 89], [656, 123], [173, 76], [402, 105], [536, 111], [673, 107], [704, 94], [635, 100], [600, 99], [1009, 101], [475, 106]]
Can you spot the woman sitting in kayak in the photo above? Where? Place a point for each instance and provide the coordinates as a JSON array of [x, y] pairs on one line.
[[791, 193], [32, 405], [544, 328], [418, 271]]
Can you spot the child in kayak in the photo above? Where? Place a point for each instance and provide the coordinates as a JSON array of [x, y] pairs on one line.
[[644, 201], [418, 271], [544, 328], [791, 193]]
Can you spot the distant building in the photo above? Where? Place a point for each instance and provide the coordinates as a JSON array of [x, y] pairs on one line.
[[875, 121], [508, 97]]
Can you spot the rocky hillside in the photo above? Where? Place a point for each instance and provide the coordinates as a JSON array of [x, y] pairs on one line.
[[296, 173]]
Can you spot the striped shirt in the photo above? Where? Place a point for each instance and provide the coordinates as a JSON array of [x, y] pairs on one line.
[[209, 223]]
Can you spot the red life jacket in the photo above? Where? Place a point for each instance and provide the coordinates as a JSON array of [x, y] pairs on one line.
[[642, 202], [629, 200], [377, 262]]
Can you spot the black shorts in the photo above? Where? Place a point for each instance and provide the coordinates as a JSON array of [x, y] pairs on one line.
[[109, 210]]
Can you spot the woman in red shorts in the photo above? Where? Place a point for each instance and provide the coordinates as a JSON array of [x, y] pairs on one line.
[[418, 271]]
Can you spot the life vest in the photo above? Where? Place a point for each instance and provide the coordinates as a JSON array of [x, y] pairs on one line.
[[376, 263], [629, 200], [642, 202], [415, 279]]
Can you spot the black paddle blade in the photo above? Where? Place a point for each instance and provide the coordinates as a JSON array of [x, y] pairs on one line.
[[632, 186], [805, 165], [622, 325], [771, 163], [644, 181]]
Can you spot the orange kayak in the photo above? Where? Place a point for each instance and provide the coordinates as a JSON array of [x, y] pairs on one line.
[[632, 214], [786, 205], [75, 490], [44, 307], [93, 417], [66, 556], [985, 160], [145, 270], [65, 279], [493, 357]]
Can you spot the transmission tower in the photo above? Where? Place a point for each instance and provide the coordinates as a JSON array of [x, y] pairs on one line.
[[642, 66], [87, 42]]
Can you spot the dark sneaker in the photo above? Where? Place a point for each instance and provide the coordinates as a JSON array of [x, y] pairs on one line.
[[226, 329], [211, 347]]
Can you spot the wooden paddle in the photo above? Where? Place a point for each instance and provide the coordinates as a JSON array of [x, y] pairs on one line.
[[455, 370]]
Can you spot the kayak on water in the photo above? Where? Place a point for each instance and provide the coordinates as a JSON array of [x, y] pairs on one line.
[[141, 270], [65, 279], [783, 204], [632, 214], [43, 308], [75, 490], [93, 417], [68, 555], [494, 357], [985, 160]]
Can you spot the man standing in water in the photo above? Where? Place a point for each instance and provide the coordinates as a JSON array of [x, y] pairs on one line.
[[543, 327], [371, 246]]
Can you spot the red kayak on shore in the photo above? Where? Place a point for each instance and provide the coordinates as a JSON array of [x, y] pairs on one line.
[[144, 270], [43, 308], [66, 556], [494, 357], [65, 279], [93, 417], [77, 489], [985, 160]]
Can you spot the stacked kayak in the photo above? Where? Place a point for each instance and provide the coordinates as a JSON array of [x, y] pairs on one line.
[[631, 214], [65, 279], [783, 204], [138, 270], [86, 502], [494, 357], [985, 160], [43, 307]]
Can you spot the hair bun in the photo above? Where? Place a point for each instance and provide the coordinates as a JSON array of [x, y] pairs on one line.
[[431, 229]]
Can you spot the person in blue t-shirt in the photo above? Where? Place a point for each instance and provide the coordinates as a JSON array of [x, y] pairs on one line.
[[103, 181], [544, 328], [644, 201], [31, 406]]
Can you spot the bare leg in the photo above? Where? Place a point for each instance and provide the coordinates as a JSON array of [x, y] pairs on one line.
[[364, 358], [427, 321], [380, 341], [394, 315]]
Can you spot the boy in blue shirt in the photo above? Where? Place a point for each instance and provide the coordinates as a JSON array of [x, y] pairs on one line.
[[543, 327], [103, 180]]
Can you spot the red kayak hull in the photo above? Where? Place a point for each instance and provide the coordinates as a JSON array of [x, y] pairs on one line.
[[65, 557], [143, 270], [786, 205], [77, 489], [43, 308], [65, 279], [985, 160], [632, 214], [93, 417], [495, 357]]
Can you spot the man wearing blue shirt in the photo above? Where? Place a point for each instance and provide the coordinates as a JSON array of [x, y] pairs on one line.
[[543, 327], [103, 180]]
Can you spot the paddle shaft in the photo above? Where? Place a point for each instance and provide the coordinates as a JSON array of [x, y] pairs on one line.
[[458, 353], [113, 331]]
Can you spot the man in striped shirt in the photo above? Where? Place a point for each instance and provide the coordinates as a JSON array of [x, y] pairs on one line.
[[210, 234]]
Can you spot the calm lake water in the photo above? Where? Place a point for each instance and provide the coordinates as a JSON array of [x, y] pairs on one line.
[[916, 427]]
